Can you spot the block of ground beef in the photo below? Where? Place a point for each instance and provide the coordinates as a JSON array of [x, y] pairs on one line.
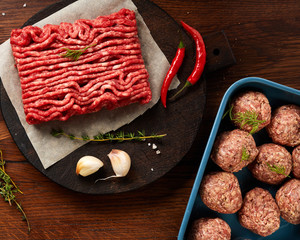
[[109, 70]]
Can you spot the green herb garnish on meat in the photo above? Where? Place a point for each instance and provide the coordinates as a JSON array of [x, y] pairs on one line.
[[245, 154], [248, 117], [277, 169], [75, 54]]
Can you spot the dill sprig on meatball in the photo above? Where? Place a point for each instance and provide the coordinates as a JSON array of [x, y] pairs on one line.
[[248, 117]]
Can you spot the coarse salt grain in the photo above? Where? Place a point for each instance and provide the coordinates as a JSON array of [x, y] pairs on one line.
[[152, 169], [154, 146], [149, 144], [3, 14], [157, 152], [24, 5]]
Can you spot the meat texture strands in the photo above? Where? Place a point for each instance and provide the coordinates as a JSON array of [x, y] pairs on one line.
[[109, 74]]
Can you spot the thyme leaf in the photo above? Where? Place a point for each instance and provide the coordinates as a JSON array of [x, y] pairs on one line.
[[8, 189], [75, 54], [277, 169], [117, 136]]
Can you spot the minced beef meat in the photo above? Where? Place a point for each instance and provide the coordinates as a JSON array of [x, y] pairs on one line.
[[210, 229], [259, 212], [296, 162], [288, 200], [251, 103], [272, 164], [234, 150], [284, 127], [220, 191]]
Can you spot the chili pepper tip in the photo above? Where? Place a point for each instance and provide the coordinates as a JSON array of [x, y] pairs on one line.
[[163, 101]]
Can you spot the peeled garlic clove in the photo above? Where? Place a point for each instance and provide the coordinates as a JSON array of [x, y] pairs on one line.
[[88, 165], [120, 162]]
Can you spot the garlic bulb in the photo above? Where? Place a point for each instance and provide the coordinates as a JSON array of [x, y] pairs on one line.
[[120, 162], [88, 165]]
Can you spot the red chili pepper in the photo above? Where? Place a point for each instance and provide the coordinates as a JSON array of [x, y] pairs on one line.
[[175, 65], [200, 57]]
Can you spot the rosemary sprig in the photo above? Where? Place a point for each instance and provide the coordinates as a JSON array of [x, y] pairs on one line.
[[118, 136], [277, 169], [8, 189], [248, 117], [75, 54], [245, 154]]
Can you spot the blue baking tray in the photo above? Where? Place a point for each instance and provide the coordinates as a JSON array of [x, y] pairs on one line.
[[277, 95]]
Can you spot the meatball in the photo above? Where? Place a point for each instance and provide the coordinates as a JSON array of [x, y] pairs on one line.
[[251, 111], [288, 200], [272, 164], [220, 191], [296, 162], [259, 212], [234, 150], [284, 127], [210, 229]]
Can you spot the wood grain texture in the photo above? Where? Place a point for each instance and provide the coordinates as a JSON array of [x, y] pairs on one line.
[[146, 165], [265, 39]]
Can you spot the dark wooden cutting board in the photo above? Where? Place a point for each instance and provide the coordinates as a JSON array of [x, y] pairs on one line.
[[180, 121]]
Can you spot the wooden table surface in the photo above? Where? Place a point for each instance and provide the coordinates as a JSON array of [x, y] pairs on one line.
[[265, 39]]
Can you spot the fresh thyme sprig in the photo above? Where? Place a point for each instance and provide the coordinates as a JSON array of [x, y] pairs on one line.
[[277, 169], [245, 154], [75, 54], [248, 117], [8, 189], [118, 136]]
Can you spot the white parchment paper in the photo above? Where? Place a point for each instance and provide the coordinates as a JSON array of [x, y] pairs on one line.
[[49, 149]]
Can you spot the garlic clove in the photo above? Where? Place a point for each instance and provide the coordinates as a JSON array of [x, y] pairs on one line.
[[88, 165], [120, 162]]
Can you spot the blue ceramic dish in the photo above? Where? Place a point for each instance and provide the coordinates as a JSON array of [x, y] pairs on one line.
[[277, 95]]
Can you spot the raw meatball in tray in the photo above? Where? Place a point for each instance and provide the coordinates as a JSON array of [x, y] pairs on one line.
[[284, 127], [234, 150], [250, 104], [210, 228], [296, 162], [220, 191], [260, 212], [288, 200], [272, 165]]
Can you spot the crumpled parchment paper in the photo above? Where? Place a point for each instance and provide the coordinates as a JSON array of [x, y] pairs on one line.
[[50, 149]]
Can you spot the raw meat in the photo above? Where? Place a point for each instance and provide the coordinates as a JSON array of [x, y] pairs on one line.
[[110, 72]]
